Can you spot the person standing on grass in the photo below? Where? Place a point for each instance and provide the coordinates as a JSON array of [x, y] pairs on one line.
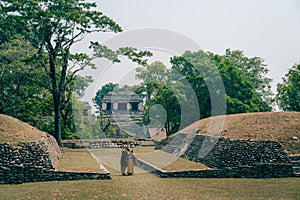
[[124, 160], [131, 162]]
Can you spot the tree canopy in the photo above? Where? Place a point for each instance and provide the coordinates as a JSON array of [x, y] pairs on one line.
[[52, 28], [220, 84], [288, 92], [158, 90], [38, 72], [23, 86]]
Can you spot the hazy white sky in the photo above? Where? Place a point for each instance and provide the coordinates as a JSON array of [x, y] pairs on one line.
[[266, 28]]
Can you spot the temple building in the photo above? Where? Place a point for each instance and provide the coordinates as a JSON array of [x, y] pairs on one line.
[[125, 111], [122, 102]]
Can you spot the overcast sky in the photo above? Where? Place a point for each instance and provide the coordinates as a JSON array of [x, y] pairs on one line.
[[266, 28]]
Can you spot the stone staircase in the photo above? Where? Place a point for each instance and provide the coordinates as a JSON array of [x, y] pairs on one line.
[[296, 165], [179, 144], [133, 130]]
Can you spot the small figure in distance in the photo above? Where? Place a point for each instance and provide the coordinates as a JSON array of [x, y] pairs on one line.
[[131, 163], [124, 160]]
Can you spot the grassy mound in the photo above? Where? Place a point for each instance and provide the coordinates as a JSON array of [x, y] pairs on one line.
[[14, 130], [277, 126]]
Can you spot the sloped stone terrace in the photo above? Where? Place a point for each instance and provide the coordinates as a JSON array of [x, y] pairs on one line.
[[250, 157]]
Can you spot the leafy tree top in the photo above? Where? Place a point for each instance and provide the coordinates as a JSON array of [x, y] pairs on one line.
[[288, 96]]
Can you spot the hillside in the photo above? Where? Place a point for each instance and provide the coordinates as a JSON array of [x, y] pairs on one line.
[[14, 130], [278, 126]]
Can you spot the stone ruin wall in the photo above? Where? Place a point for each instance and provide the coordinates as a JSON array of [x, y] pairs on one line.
[[106, 143], [36, 161], [41, 153], [26, 158], [225, 153], [238, 153]]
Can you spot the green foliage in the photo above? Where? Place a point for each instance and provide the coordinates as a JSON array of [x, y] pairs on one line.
[[187, 90], [75, 89], [160, 89], [153, 76], [200, 73], [23, 86], [243, 78], [52, 28], [288, 92], [107, 129], [255, 71], [25, 93], [239, 90], [70, 136], [85, 126]]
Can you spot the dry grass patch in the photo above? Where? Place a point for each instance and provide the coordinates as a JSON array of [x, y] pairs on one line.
[[169, 162], [14, 130], [78, 160], [182, 164]]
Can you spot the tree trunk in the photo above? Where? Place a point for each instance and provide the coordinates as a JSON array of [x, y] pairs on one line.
[[167, 127], [57, 121], [57, 89], [56, 96], [60, 97]]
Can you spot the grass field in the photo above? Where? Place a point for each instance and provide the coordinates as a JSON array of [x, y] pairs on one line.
[[148, 186], [78, 160], [145, 185]]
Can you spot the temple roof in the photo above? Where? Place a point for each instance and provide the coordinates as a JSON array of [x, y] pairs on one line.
[[121, 97]]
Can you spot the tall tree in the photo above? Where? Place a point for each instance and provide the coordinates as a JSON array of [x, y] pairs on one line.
[[53, 27], [202, 74], [161, 88], [243, 78], [242, 91], [255, 71], [288, 92]]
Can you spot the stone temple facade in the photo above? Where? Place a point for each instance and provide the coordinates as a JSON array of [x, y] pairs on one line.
[[125, 110], [122, 103]]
